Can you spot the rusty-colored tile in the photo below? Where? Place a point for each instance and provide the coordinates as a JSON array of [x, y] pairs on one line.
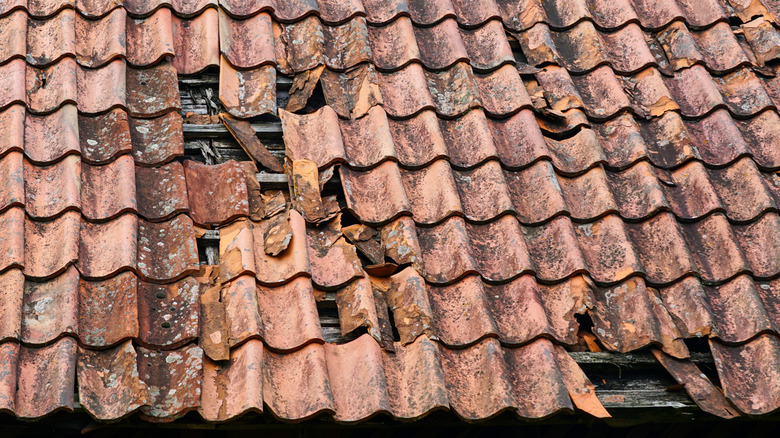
[[62, 126], [8, 371], [152, 91], [167, 250], [233, 388], [217, 194], [241, 309], [291, 262], [168, 313], [53, 189], [445, 251], [104, 137], [749, 373], [109, 384], [405, 92], [536, 379], [419, 140], [12, 172], [358, 392], [296, 385], [174, 380], [236, 250], [50, 308], [50, 246], [332, 264], [578, 385], [157, 140], [374, 196], [51, 39], [661, 248], [694, 90], [108, 310], [357, 309], [11, 301], [499, 249], [461, 312], [52, 367], [483, 192], [554, 249], [149, 39], [399, 238], [285, 329], [756, 241], [714, 248], [12, 239], [303, 131], [196, 42], [477, 380], [687, 301], [100, 41], [107, 87], [738, 309], [107, 190], [368, 140], [108, 248], [13, 35], [247, 93], [607, 249], [431, 190], [352, 93], [247, 43], [161, 192]]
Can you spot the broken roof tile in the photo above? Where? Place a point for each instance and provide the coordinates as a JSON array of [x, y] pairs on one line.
[[247, 93], [233, 388], [748, 373], [217, 194]]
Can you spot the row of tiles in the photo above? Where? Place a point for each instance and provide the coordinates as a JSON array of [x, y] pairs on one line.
[[273, 297], [515, 14], [104, 192], [146, 92], [99, 139], [534, 381], [477, 382], [517, 141], [452, 92]]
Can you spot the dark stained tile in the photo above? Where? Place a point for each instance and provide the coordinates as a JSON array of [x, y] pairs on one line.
[[152, 91], [49, 40], [156, 140], [661, 248], [104, 137], [109, 384], [499, 249], [10, 354], [149, 40], [353, 92], [50, 246], [52, 367], [445, 251], [166, 250], [483, 192], [180, 7], [107, 190], [756, 241], [554, 249], [174, 380], [108, 248], [108, 310], [747, 373], [536, 379], [432, 193]]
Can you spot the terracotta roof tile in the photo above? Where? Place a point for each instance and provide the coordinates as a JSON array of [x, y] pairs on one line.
[[108, 310], [52, 367]]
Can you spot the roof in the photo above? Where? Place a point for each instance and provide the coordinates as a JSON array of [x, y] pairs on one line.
[[505, 166]]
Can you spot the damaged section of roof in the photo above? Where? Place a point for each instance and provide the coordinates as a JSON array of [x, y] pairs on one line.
[[503, 167]]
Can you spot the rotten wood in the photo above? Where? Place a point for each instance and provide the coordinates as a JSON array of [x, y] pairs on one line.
[[246, 138]]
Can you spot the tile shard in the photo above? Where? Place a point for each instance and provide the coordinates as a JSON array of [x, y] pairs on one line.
[[352, 93], [245, 135], [706, 395], [357, 309], [233, 388]]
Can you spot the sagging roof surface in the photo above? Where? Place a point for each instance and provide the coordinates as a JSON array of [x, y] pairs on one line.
[[621, 163]]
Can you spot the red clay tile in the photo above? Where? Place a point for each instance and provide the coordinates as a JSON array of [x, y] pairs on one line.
[[558, 89], [357, 308], [280, 323], [303, 131], [107, 190], [607, 249], [405, 92], [152, 91], [554, 250], [392, 46], [196, 42], [236, 250], [483, 192], [96, 8], [8, 370], [168, 314], [247, 93], [13, 36], [518, 139], [105, 88], [714, 248], [300, 45], [374, 195], [53, 189], [502, 92], [738, 310], [51, 39], [12, 241], [531, 368], [578, 385], [11, 299], [50, 308], [108, 310], [166, 250], [158, 140], [763, 39], [399, 238], [748, 373], [181, 7], [244, 9], [445, 251], [427, 13], [346, 45], [418, 140], [756, 241], [52, 367], [290, 263], [50, 246], [487, 46], [233, 388], [247, 43], [358, 392], [104, 137], [149, 39], [12, 129], [332, 265], [118, 395], [108, 248], [432, 193], [174, 380], [241, 308], [99, 41], [468, 139], [217, 194], [591, 186], [50, 87], [694, 90], [441, 45], [12, 74], [367, 140], [12, 172], [415, 380], [457, 90], [161, 191], [687, 301], [602, 93], [661, 248], [295, 385], [62, 126], [461, 312], [477, 380], [499, 258]]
